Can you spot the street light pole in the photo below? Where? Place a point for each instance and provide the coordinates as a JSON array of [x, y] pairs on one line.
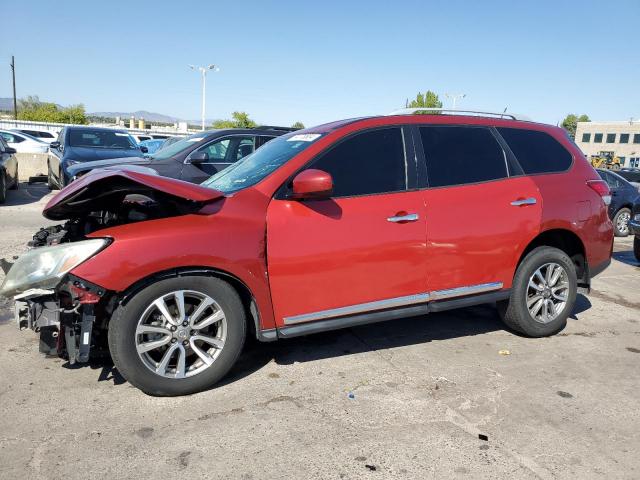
[[13, 73], [455, 96], [203, 71]]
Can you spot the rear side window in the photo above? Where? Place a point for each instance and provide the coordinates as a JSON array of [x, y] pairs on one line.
[[537, 152], [460, 155], [367, 163]]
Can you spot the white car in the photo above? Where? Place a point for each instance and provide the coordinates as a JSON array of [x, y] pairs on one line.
[[42, 135], [24, 143]]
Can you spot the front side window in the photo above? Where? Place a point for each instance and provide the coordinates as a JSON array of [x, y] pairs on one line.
[[536, 151], [611, 137], [624, 138], [228, 150], [101, 139], [586, 137], [367, 163], [260, 164], [461, 155]]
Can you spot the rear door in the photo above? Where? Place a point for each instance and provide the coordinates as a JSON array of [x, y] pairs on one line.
[[361, 250], [481, 212]]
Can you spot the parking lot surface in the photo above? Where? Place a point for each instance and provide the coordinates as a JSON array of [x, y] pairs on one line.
[[448, 395]]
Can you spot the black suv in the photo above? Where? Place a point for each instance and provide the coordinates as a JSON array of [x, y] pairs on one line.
[[197, 157]]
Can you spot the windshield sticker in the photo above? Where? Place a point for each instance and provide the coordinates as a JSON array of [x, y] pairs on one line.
[[122, 134], [197, 139], [304, 137]]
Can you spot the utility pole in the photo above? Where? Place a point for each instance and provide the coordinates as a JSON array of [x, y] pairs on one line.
[[454, 97], [15, 102], [203, 71]]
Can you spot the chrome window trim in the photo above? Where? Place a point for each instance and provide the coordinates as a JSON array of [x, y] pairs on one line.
[[393, 303]]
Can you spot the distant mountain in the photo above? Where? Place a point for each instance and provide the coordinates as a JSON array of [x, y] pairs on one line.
[[148, 116]]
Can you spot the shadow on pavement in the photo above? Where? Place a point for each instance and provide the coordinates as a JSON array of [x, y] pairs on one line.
[[26, 193], [352, 341], [627, 257]]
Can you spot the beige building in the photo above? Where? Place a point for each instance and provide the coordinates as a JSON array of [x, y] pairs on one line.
[[621, 138]]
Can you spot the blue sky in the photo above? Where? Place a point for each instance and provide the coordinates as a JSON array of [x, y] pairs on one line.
[[320, 61]]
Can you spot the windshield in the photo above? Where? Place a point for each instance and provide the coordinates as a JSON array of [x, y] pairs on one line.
[[265, 160], [179, 146], [101, 139]]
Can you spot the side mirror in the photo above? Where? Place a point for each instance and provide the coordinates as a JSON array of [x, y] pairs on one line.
[[312, 184], [199, 157], [10, 150], [54, 145], [144, 149]]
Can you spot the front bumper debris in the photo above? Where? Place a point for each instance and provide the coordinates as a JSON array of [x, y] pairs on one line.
[[65, 318]]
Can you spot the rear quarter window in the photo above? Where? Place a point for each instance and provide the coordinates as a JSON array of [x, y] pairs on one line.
[[537, 152]]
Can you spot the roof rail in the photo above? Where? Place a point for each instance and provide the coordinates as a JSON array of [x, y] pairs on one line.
[[447, 111], [274, 127]]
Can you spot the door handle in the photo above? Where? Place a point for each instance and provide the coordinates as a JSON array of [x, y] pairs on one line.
[[524, 201], [410, 217]]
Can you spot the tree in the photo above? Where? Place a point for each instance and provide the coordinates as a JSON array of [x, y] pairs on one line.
[[240, 120], [570, 123], [298, 125], [428, 100], [31, 108]]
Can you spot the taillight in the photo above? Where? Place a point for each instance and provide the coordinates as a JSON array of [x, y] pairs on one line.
[[602, 189]]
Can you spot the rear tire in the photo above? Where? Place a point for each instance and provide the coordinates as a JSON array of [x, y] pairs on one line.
[[636, 247], [3, 187], [185, 371], [16, 183], [620, 222], [50, 183], [515, 312]]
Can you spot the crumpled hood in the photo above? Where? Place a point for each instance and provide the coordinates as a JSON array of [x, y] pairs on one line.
[[103, 189], [73, 170]]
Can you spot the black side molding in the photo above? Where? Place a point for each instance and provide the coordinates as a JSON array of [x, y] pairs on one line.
[[390, 314]]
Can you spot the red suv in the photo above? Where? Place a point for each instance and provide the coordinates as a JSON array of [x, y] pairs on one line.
[[348, 223]]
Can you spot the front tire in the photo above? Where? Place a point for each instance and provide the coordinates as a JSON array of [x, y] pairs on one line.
[[621, 222], [636, 247], [543, 293], [178, 336]]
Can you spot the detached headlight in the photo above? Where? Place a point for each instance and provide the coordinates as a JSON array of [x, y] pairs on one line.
[[44, 267]]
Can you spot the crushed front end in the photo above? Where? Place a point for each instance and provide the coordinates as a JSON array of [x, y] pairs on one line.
[[62, 308]]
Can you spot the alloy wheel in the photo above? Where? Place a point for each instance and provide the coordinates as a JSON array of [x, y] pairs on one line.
[[547, 292], [181, 334], [622, 223]]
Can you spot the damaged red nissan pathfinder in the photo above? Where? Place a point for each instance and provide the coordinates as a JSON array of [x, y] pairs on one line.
[[344, 224]]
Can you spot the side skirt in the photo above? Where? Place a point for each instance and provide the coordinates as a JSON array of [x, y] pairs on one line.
[[318, 326]]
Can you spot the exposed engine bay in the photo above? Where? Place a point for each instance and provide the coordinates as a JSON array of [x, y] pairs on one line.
[[134, 208]]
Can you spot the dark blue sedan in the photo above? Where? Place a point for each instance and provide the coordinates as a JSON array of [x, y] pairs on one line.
[[623, 196], [86, 144]]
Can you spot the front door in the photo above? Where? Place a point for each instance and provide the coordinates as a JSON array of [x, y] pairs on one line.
[[360, 251], [480, 210], [221, 153]]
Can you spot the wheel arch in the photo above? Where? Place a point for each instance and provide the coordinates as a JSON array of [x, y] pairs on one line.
[[567, 241], [249, 302]]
